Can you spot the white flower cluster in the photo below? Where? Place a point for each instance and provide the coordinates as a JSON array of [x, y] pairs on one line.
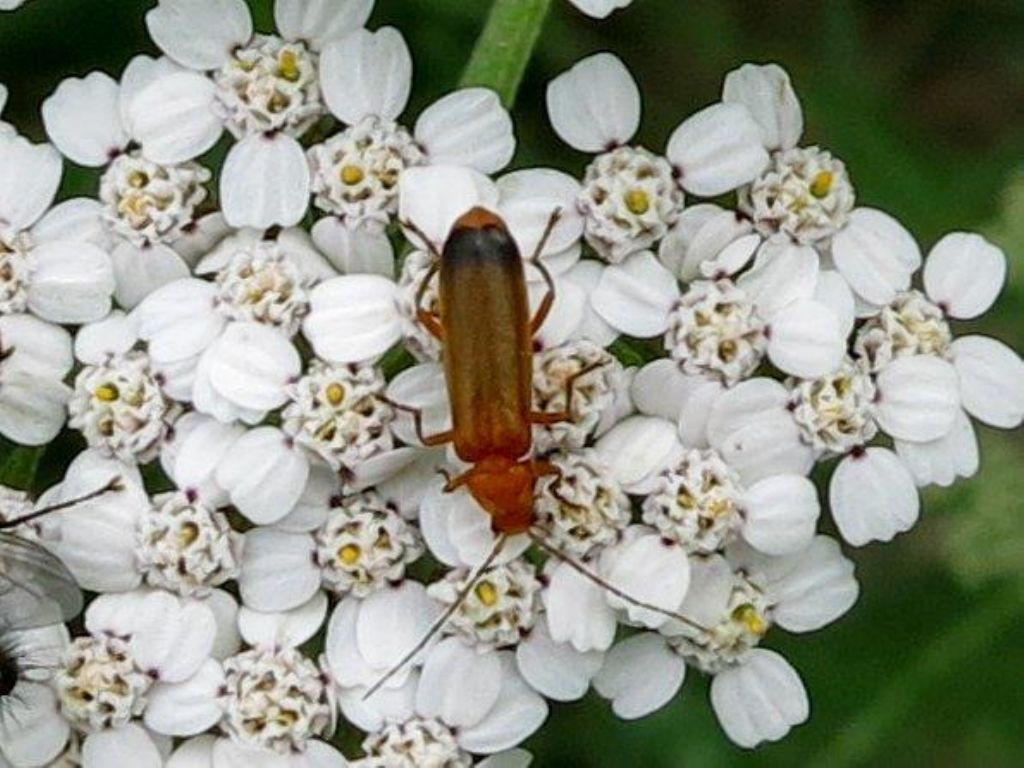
[[265, 372]]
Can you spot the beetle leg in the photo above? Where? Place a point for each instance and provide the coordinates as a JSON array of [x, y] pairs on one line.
[[544, 417], [417, 417], [429, 318], [425, 241], [549, 298]]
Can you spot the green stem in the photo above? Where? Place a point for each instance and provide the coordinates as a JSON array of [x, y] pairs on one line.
[[504, 47], [954, 649]]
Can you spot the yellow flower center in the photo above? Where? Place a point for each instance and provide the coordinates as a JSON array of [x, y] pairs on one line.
[[349, 553], [487, 593], [821, 185], [748, 616], [638, 202], [352, 174], [107, 393], [289, 66], [335, 393]]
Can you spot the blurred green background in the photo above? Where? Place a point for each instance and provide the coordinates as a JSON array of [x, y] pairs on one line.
[[925, 103]]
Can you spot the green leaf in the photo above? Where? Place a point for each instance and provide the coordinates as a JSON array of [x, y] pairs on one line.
[[18, 465], [863, 739], [504, 47]]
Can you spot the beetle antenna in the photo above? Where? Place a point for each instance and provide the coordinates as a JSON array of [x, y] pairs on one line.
[[536, 534], [115, 484], [438, 625]]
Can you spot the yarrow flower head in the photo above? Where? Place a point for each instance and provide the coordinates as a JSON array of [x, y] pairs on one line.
[[185, 547], [275, 699], [120, 409], [363, 546]]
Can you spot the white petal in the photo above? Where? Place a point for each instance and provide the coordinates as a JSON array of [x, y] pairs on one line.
[[225, 612], [595, 105], [766, 91], [517, 714], [141, 271], [96, 540], [392, 621], [82, 119], [265, 181], [196, 752], [834, 292], [433, 197], [468, 528], [876, 255], [251, 364], [171, 637], [34, 732], [422, 387], [806, 339], [312, 509], [79, 220], [205, 235], [468, 127], [640, 675], [529, 198], [636, 296], [811, 588], [873, 497], [648, 570], [782, 273], [173, 117], [991, 380], [35, 347], [32, 411], [229, 754], [587, 275], [347, 666], [288, 629], [760, 699], [781, 514], [578, 611], [660, 389], [717, 149], [941, 462], [743, 404], [278, 571], [696, 410], [458, 685], [367, 73], [354, 251], [29, 178], [71, 283], [264, 474], [353, 318], [200, 33], [750, 426], [732, 258], [963, 274], [187, 708], [387, 705], [179, 320], [556, 670], [114, 335], [918, 398], [637, 449], [200, 451], [320, 21], [702, 232], [128, 745]]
